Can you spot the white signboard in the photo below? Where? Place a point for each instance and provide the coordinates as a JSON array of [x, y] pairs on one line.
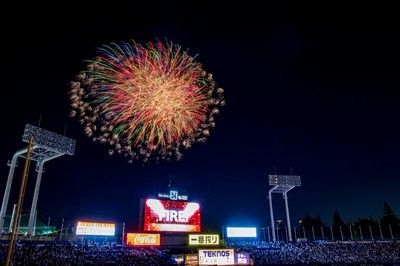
[[217, 256], [95, 229]]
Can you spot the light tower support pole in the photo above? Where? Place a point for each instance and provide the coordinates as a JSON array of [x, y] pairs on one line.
[[12, 218], [17, 218], [271, 211], [36, 193], [123, 234], [287, 215], [8, 186]]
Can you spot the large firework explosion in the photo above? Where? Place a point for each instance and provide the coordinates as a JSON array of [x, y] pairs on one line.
[[145, 101]]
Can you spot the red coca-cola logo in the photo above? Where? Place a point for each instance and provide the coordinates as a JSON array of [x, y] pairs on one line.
[[145, 239]]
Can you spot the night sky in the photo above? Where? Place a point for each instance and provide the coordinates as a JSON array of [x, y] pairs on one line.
[[310, 90]]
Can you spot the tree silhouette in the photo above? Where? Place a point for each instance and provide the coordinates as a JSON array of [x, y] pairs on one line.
[[318, 221], [337, 219], [389, 220], [363, 227], [312, 226], [389, 217], [307, 220], [339, 227]]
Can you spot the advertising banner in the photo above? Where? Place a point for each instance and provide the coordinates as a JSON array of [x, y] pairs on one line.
[[242, 258], [140, 239], [192, 259], [95, 229], [216, 257], [203, 239]]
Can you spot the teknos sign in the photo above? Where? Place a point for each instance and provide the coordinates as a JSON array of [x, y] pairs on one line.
[[139, 239], [216, 257]]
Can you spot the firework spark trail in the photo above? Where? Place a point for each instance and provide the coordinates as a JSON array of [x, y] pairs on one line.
[[145, 101]]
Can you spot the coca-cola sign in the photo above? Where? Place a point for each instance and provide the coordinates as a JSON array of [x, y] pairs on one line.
[[139, 239]]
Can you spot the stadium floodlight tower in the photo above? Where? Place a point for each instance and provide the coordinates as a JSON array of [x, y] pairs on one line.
[[282, 184], [46, 146]]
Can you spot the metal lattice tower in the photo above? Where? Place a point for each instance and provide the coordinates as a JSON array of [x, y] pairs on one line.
[[46, 146], [282, 184]]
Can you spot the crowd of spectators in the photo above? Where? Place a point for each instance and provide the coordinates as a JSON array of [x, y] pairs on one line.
[[261, 253], [323, 252], [67, 254]]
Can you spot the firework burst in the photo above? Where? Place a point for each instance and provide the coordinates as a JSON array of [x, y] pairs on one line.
[[145, 102]]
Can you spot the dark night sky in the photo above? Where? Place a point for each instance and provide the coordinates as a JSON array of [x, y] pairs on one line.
[[308, 88]]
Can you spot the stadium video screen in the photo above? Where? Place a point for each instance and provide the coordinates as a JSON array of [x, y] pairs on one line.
[[241, 232], [171, 216], [95, 229]]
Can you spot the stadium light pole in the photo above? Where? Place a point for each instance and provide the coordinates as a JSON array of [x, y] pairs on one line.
[[123, 234], [62, 228], [43, 145], [391, 232], [12, 218], [21, 196], [282, 184], [46, 146], [263, 230], [271, 211], [223, 234], [6, 195]]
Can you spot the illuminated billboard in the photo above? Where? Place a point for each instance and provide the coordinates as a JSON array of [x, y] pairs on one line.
[[241, 232], [95, 229], [216, 256], [140, 239], [171, 216], [203, 239], [242, 258], [191, 259]]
